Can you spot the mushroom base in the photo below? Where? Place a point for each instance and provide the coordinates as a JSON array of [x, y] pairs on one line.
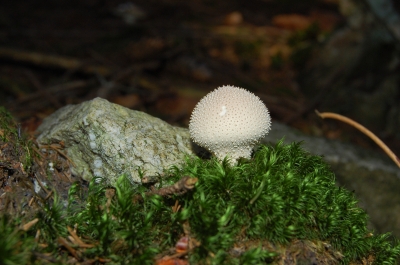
[[233, 154]]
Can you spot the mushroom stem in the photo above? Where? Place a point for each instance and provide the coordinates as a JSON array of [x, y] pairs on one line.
[[385, 148]]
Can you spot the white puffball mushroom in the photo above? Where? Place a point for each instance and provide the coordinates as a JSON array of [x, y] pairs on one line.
[[229, 121]]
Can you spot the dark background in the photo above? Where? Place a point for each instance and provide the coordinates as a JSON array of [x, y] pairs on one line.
[[165, 55]]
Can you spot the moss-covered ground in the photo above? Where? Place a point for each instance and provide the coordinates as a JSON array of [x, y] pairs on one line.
[[280, 207]]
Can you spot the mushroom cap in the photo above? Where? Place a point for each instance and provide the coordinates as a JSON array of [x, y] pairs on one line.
[[229, 121]]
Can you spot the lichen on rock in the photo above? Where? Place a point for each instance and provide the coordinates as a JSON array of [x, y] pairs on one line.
[[106, 140]]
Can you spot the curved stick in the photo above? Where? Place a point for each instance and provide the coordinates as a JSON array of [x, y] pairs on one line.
[[331, 115]]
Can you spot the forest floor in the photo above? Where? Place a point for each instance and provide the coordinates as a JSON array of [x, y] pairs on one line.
[[160, 57]]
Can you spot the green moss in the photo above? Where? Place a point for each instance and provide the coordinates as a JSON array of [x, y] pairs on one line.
[[19, 145], [15, 245], [254, 213], [281, 195]]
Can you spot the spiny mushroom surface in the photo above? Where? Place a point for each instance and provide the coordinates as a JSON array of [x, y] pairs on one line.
[[229, 121]]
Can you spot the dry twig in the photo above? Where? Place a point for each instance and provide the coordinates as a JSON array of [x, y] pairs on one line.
[[57, 148], [180, 187], [62, 241], [48, 195], [110, 193], [42, 59], [28, 225], [364, 130], [41, 184], [77, 240]]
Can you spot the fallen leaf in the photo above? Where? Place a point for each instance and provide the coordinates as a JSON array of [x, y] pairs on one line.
[[233, 19], [292, 21]]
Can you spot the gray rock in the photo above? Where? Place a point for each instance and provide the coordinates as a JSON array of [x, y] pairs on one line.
[[334, 152], [107, 140]]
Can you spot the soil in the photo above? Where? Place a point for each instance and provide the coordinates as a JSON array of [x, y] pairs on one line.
[[29, 176]]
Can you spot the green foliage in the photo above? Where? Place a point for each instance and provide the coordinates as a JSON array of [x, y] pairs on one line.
[[386, 252], [7, 125], [303, 43], [52, 221], [277, 61], [11, 132], [255, 256], [15, 245], [124, 230], [281, 195]]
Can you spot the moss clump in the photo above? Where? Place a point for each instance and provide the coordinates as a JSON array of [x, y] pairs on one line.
[[283, 194], [281, 206], [15, 245]]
